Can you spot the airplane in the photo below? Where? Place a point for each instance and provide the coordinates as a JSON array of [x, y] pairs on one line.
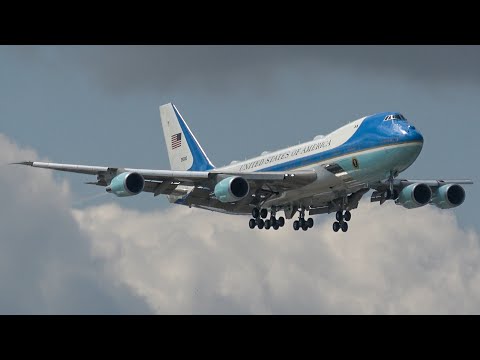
[[330, 173]]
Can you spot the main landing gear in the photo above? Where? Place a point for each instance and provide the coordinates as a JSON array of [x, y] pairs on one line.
[[259, 215], [341, 222], [302, 223]]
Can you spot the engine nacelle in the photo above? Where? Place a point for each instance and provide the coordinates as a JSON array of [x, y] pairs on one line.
[[448, 196], [231, 189], [414, 196], [126, 184]]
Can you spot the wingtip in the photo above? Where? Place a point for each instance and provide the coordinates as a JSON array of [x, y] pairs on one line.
[[29, 163]]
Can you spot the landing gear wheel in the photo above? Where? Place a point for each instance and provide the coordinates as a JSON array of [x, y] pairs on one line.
[[305, 226], [310, 223], [347, 216], [336, 226], [296, 225], [255, 213], [252, 223], [263, 213], [267, 224], [301, 222], [339, 216], [275, 227], [260, 223], [344, 227], [273, 221], [281, 221]]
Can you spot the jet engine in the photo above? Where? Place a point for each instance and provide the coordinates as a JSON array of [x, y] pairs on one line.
[[414, 196], [448, 196], [126, 184], [231, 189]]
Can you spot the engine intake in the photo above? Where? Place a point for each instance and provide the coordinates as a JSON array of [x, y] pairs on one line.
[[231, 189], [126, 184], [414, 196], [448, 196]]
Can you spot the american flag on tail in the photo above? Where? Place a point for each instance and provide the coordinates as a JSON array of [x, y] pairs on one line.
[[176, 140]]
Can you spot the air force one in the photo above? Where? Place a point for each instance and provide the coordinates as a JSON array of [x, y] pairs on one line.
[[328, 174]]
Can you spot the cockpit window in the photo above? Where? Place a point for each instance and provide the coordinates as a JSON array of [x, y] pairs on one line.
[[395, 117]]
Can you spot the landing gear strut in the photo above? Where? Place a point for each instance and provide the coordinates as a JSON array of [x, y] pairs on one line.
[[391, 193]]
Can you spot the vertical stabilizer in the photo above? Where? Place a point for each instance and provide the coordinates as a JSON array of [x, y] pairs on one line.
[[184, 151]]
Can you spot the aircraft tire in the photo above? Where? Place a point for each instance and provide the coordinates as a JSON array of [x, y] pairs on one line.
[[339, 216], [347, 216], [260, 223], [263, 213], [336, 226], [310, 223], [273, 221], [267, 224], [301, 222], [296, 225]]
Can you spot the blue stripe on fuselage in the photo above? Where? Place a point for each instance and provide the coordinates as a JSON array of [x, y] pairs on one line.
[[372, 133]]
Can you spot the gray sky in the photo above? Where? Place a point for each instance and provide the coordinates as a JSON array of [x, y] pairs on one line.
[[99, 105]]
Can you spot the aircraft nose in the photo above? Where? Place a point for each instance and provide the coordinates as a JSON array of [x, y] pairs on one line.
[[413, 134]]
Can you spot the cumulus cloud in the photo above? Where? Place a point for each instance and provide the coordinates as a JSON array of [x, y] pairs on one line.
[[46, 264], [107, 259], [392, 261]]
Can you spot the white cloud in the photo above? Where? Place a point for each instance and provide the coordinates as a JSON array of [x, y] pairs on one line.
[[106, 259], [45, 261], [392, 260]]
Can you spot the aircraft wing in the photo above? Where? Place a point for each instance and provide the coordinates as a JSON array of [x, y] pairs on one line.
[[165, 181], [189, 177], [399, 184], [431, 183]]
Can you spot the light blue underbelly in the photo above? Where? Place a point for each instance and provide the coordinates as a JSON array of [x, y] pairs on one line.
[[377, 164]]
